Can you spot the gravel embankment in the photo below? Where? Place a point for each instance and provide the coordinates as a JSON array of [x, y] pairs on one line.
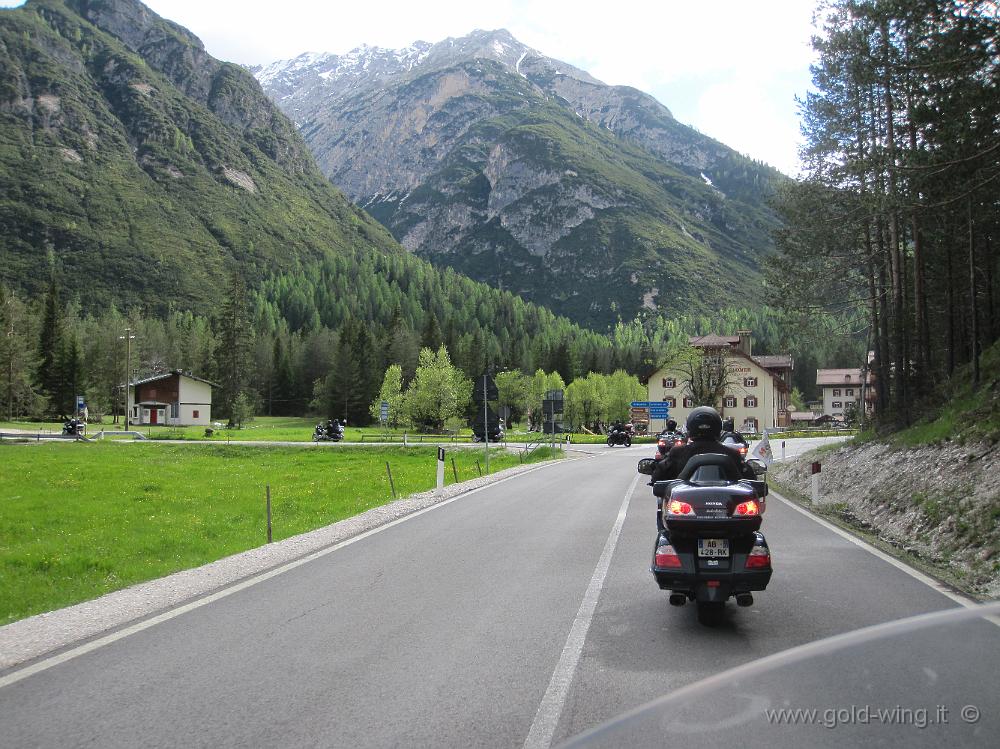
[[938, 503], [43, 633]]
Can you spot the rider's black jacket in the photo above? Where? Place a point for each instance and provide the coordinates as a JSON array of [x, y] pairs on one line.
[[671, 466]]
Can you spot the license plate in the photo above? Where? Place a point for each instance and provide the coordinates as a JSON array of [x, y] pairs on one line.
[[713, 547]]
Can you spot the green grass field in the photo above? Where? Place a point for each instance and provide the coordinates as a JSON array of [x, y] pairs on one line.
[[79, 520]]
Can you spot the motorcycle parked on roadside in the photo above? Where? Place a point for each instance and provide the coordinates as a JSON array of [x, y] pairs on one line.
[[708, 542], [331, 431]]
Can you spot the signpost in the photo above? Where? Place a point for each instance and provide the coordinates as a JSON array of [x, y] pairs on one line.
[[485, 391], [651, 409], [384, 413], [552, 405]]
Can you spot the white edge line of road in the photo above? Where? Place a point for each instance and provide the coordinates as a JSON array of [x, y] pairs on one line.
[[75, 652], [543, 727], [888, 558]]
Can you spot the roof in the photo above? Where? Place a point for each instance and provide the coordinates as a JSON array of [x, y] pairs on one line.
[[714, 341], [774, 361], [168, 375], [838, 376]]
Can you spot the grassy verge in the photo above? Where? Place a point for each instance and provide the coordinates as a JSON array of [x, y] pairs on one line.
[[300, 429], [80, 520], [837, 514]]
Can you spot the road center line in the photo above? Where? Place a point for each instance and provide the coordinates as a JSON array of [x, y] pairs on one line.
[[550, 709]]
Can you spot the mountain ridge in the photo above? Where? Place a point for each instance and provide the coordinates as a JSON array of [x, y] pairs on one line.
[[482, 154]]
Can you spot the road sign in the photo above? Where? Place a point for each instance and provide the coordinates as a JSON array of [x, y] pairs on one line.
[[384, 410]]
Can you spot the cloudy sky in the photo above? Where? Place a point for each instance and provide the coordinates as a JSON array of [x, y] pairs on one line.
[[730, 68]]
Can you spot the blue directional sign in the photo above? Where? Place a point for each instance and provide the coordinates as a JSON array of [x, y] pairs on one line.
[[657, 409]]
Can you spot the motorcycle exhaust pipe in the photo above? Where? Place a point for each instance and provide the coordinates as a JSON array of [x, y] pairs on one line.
[[744, 599], [677, 599]]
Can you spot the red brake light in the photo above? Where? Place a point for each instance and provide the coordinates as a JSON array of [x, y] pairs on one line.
[[667, 557], [758, 558], [676, 507], [748, 508]]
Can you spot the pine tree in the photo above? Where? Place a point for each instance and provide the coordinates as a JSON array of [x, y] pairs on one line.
[[235, 349]]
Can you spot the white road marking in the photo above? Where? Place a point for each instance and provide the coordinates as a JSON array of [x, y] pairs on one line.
[[915, 574], [100, 642], [543, 727]]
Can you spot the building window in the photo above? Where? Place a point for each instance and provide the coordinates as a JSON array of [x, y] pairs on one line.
[[730, 401], [836, 392], [669, 382], [849, 391], [174, 410], [749, 426], [750, 402], [847, 378], [671, 402], [194, 414], [838, 404], [749, 382], [689, 403]]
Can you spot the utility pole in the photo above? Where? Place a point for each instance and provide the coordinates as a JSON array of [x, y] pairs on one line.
[[128, 337]]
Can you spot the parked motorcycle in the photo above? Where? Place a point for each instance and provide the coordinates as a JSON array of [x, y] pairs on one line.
[[74, 427], [331, 431], [619, 436], [497, 433], [708, 543]]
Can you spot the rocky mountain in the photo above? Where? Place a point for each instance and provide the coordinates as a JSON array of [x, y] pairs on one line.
[[522, 171], [143, 170]]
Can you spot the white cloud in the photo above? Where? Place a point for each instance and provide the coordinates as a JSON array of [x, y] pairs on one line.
[[731, 68]]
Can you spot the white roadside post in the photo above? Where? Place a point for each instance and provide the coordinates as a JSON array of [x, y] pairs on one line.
[[440, 467], [816, 468]]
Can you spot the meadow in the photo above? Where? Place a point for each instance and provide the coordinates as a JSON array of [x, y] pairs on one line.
[[78, 520]]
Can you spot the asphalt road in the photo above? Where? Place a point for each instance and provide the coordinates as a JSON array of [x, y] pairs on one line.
[[521, 614]]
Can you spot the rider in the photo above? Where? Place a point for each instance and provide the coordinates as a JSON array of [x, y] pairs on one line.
[[704, 427], [729, 430]]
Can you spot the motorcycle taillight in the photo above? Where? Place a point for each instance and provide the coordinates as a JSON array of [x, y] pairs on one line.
[[758, 558], [747, 509], [667, 557]]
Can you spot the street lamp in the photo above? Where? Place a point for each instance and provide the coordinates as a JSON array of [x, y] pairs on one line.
[[128, 338]]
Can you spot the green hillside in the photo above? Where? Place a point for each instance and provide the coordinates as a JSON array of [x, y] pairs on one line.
[[138, 191]]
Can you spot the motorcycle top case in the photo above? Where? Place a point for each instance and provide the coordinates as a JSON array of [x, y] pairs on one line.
[[713, 507]]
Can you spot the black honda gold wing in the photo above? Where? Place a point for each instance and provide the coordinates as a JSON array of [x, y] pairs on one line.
[[709, 545]]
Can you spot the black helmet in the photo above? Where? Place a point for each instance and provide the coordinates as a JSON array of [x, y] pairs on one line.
[[728, 425], [671, 425], [704, 423]]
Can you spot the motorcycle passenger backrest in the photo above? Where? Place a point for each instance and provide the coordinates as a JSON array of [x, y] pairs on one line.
[[709, 467]]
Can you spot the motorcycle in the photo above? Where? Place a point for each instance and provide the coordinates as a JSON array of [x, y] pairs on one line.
[[618, 436], [497, 434], [74, 428], [708, 542], [330, 432], [666, 441]]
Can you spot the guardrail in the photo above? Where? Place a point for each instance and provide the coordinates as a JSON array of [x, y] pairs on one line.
[[107, 433], [415, 438], [39, 436]]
